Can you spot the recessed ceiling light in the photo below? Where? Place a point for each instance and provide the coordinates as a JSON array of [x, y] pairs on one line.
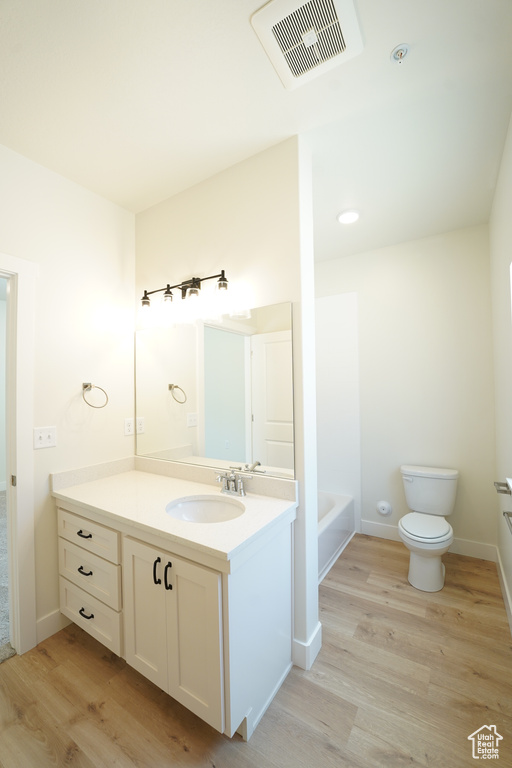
[[348, 217]]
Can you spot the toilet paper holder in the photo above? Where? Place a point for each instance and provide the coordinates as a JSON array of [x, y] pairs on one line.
[[503, 488]]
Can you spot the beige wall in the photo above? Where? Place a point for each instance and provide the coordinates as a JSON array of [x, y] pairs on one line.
[[83, 247], [501, 259], [243, 220], [426, 376], [254, 221]]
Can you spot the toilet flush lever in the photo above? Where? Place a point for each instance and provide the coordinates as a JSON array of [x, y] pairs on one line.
[[502, 488]]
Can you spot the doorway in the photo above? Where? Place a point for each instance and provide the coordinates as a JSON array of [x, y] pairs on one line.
[[19, 276], [4, 550]]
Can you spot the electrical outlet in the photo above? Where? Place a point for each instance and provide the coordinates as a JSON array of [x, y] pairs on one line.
[[128, 427], [191, 419], [45, 437], [139, 424]]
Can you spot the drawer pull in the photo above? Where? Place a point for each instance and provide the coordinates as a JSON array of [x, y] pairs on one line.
[[167, 567], [82, 613], [84, 573], [155, 580], [84, 535]]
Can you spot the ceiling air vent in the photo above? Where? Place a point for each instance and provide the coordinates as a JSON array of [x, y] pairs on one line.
[[304, 41]]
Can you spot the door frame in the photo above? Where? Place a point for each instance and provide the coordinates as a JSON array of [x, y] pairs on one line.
[[20, 357]]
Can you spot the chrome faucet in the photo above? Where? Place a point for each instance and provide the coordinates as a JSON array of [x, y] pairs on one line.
[[232, 483], [252, 467]]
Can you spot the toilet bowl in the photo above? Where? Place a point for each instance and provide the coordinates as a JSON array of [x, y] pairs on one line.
[[426, 544], [430, 493]]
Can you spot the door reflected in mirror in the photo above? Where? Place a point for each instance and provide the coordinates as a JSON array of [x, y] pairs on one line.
[[219, 394]]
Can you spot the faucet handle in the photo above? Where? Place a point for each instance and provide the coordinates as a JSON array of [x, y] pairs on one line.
[[239, 483], [223, 478]]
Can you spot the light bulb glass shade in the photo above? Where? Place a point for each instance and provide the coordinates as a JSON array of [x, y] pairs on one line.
[[222, 282], [168, 294], [348, 217], [145, 301], [192, 293]]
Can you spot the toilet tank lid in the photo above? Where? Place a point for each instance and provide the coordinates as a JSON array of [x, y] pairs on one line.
[[412, 469]]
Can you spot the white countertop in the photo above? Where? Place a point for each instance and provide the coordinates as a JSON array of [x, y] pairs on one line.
[[140, 498]]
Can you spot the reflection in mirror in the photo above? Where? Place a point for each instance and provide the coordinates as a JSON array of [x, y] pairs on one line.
[[219, 394]]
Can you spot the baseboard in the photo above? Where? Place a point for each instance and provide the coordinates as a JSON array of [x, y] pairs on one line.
[[507, 598], [475, 549], [459, 546], [304, 654], [50, 624], [381, 530]]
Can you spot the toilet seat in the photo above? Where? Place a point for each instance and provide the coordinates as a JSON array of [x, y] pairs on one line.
[[428, 529]]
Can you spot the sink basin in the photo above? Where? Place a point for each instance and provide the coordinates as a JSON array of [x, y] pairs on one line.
[[205, 509]]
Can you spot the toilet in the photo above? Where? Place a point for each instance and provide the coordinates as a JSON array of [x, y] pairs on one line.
[[430, 495]]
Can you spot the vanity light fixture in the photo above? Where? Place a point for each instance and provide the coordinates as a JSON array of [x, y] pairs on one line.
[[348, 217], [189, 288]]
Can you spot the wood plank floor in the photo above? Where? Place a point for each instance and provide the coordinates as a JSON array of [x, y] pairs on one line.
[[403, 678]]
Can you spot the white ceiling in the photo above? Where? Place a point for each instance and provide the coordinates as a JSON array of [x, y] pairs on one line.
[[140, 99]]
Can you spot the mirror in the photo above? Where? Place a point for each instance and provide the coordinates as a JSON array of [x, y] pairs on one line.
[[220, 393]]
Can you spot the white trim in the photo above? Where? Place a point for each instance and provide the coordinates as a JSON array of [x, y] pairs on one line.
[[464, 547], [20, 460], [507, 598], [381, 530], [304, 654], [51, 624], [475, 549]]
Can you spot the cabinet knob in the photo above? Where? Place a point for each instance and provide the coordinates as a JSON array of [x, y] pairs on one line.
[[167, 568], [82, 613], [155, 579], [84, 573], [84, 535]]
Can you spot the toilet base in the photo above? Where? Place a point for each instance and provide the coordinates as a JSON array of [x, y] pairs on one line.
[[426, 573]]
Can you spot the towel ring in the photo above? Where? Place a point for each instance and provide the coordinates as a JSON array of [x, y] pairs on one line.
[[86, 387], [172, 388]]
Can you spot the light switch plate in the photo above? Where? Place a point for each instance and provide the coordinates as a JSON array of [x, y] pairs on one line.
[[45, 437]]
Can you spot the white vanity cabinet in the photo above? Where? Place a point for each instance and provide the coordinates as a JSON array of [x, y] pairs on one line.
[[173, 627], [90, 578], [204, 611]]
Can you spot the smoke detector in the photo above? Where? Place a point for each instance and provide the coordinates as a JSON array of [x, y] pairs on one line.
[[304, 41], [399, 53]]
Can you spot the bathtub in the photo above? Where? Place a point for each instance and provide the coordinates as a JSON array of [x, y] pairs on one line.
[[336, 526]]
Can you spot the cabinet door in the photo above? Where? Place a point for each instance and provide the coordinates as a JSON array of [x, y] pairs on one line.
[[194, 634], [144, 611]]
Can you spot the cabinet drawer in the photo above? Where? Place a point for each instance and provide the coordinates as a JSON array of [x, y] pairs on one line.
[[93, 574], [104, 623], [91, 536]]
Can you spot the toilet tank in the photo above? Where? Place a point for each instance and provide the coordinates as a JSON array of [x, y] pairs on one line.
[[430, 490]]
